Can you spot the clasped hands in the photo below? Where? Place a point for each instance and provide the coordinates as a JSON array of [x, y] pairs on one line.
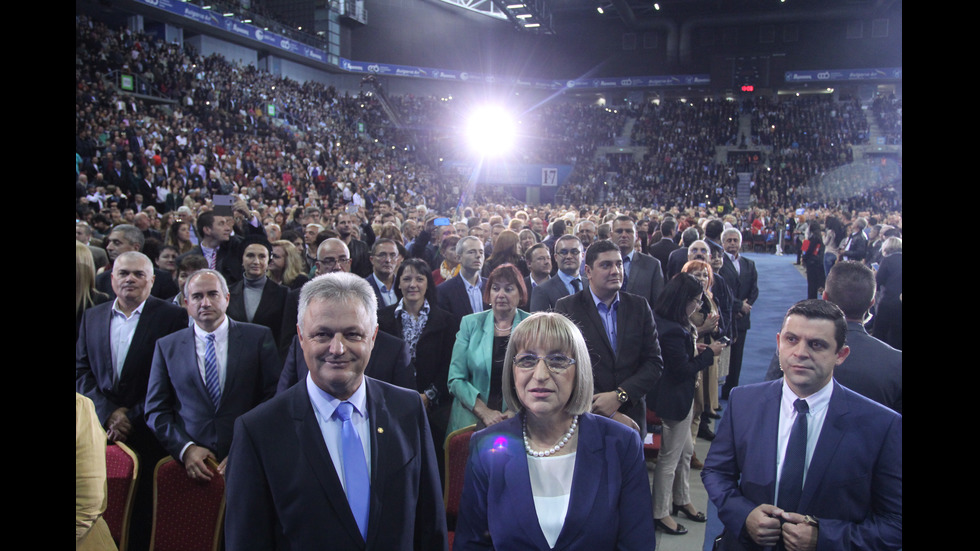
[[766, 524]]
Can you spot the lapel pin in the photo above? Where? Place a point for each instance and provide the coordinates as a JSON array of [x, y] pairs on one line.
[[381, 430]]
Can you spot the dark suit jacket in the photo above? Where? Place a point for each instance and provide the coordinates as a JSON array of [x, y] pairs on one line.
[[858, 247], [676, 262], [873, 369], [609, 507], [434, 349], [546, 295], [637, 366], [389, 363], [163, 287], [452, 296], [94, 372], [661, 251], [228, 259], [646, 278], [853, 484], [283, 491], [744, 287], [270, 310], [674, 394], [178, 407]]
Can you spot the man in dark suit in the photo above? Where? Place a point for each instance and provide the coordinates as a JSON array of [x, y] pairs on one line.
[[384, 262], [463, 294], [298, 468], [223, 250], [568, 257], [678, 257], [256, 298], [872, 369], [773, 486], [539, 266], [112, 365], [643, 275], [661, 249], [124, 238], [740, 274], [855, 247], [192, 414], [622, 337]]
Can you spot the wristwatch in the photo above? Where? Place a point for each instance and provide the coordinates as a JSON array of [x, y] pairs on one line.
[[622, 396]]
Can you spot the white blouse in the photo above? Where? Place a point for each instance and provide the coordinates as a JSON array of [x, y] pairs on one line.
[[551, 486]]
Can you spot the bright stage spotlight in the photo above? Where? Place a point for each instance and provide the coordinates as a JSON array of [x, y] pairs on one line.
[[490, 131]]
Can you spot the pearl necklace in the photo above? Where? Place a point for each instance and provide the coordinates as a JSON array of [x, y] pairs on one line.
[[507, 330], [561, 443]]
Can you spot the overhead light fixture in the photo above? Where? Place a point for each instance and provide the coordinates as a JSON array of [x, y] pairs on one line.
[[532, 25], [514, 6], [599, 9], [656, 6], [524, 16], [228, 14]]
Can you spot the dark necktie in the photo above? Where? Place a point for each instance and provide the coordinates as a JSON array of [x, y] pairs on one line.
[[791, 480], [626, 270], [356, 479], [577, 284]]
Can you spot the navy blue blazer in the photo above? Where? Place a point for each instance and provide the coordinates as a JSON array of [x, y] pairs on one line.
[[95, 375], [609, 507], [853, 484], [674, 394], [178, 407], [451, 295], [390, 362], [283, 491]]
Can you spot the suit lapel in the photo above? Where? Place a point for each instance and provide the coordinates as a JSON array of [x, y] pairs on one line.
[[592, 312], [141, 337], [383, 457], [235, 344], [314, 449], [834, 427], [768, 441], [516, 481], [585, 483]]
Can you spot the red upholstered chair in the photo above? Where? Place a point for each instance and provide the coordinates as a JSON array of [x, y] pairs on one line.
[[122, 473], [457, 454], [651, 451], [187, 514]]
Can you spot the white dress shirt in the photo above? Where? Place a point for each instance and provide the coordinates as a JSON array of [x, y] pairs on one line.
[[818, 403]]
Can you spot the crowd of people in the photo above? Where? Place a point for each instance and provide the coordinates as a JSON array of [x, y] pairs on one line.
[[346, 234]]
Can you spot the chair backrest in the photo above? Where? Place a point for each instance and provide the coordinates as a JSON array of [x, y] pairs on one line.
[[188, 515], [122, 474], [457, 454]]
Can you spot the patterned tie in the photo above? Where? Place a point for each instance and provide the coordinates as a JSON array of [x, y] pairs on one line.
[[791, 481], [577, 284], [356, 477], [211, 371]]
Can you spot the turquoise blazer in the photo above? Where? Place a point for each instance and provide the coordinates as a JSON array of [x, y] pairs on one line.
[[469, 369]]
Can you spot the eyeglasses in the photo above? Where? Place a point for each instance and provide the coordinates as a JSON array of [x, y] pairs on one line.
[[556, 363], [566, 252], [330, 261]]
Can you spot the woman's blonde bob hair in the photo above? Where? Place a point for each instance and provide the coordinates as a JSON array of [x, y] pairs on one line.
[[554, 333]]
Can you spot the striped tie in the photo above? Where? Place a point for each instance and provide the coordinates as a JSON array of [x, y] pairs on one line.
[[211, 371]]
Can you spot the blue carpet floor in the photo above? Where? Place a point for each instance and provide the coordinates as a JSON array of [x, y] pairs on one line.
[[781, 285]]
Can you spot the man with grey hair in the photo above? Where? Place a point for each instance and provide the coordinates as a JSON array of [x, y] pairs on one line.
[[740, 274], [391, 357], [585, 230], [678, 257], [235, 362], [855, 246], [113, 354], [362, 441], [83, 234], [463, 294], [128, 238]]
